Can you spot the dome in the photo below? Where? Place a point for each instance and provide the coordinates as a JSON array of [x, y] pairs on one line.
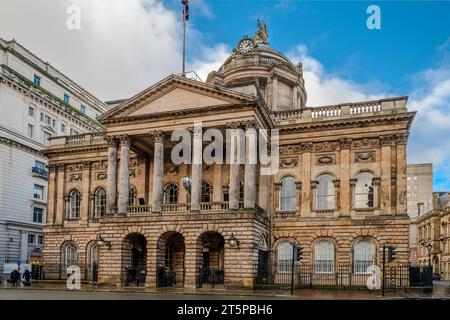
[[280, 81]]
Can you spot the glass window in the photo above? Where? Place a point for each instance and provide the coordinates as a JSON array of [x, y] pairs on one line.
[[364, 190], [40, 239], [66, 98], [47, 120], [45, 137], [74, 204], [206, 192], [288, 194], [83, 109], [37, 215], [31, 238], [363, 255], [30, 130], [63, 127], [324, 256], [37, 80], [284, 257], [38, 192], [132, 198], [325, 192], [53, 123], [42, 117], [171, 193], [70, 255], [31, 111], [100, 202], [39, 165]]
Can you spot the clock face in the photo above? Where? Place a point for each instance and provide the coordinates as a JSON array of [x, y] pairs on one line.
[[245, 46]]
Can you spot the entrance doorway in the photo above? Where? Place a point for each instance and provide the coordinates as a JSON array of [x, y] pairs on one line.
[[170, 260], [134, 260], [210, 259]]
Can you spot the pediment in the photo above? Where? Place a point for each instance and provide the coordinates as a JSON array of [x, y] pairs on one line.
[[173, 94]]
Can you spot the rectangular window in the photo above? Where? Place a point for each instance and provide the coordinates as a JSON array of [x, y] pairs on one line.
[[38, 192], [66, 98], [31, 111], [39, 165], [40, 239], [31, 238], [37, 215], [53, 123], [63, 127], [83, 109], [73, 132], [30, 130], [42, 117], [48, 120], [37, 80], [45, 137]]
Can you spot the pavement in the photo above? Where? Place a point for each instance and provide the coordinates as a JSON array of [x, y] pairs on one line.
[[58, 291]]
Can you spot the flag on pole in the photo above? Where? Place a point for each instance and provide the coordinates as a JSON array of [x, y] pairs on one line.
[[185, 4]]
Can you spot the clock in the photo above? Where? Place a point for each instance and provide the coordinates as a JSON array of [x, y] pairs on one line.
[[245, 45]]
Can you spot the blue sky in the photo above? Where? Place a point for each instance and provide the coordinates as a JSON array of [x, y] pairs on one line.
[[123, 46]]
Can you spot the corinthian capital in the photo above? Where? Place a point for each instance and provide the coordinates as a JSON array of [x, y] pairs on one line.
[[124, 139], [111, 140], [158, 135]]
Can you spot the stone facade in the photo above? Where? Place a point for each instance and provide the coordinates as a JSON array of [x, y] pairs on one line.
[[434, 231], [341, 179]]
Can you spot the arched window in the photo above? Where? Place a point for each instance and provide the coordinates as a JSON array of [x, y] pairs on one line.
[[325, 192], [206, 192], [132, 197], [324, 256], [74, 204], [226, 195], [171, 193], [284, 257], [70, 254], [100, 202], [288, 194], [363, 255], [364, 190]]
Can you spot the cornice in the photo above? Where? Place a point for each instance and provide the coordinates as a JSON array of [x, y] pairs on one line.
[[18, 145]]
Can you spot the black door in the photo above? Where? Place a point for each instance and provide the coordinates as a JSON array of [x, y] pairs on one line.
[[263, 268]]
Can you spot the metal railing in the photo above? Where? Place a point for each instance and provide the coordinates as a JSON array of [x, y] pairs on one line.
[[327, 275]]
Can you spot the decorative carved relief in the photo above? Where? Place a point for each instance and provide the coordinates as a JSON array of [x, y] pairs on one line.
[[326, 159], [345, 143], [100, 165], [387, 140], [288, 162], [100, 175], [75, 177], [290, 149], [366, 143], [365, 156], [74, 167], [132, 173], [326, 146], [306, 146], [172, 169]]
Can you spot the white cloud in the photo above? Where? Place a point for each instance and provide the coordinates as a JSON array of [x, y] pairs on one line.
[[123, 46]]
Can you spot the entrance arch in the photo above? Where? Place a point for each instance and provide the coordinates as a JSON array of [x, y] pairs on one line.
[[170, 258], [210, 259], [134, 259], [92, 261]]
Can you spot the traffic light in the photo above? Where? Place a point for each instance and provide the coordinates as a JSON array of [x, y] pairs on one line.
[[298, 253], [392, 255]]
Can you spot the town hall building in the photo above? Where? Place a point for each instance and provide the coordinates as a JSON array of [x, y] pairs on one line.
[[121, 210]]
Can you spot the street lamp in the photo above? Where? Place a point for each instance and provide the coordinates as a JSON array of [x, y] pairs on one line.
[[429, 248], [233, 241], [100, 242]]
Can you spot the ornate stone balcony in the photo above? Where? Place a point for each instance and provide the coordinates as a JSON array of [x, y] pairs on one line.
[[341, 111], [78, 140]]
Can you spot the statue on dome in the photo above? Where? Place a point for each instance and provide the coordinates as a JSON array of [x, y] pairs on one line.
[[261, 35]]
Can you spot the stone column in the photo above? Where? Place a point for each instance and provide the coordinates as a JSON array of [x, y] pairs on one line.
[[306, 178], [274, 91], [385, 142], [51, 194], [295, 97], [250, 165], [345, 198], [111, 175], [263, 195], [84, 212], [124, 175], [158, 170], [218, 183], [401, 173], [234, 187], [60, 195], [197, 159]]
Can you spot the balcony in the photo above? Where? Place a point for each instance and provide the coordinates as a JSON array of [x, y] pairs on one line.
[[39, 172], [176, 208]]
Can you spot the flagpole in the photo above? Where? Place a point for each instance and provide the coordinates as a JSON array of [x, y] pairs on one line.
[[184, 46]]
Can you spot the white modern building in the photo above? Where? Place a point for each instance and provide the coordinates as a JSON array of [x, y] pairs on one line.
[[419, 199], [36, 102]]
